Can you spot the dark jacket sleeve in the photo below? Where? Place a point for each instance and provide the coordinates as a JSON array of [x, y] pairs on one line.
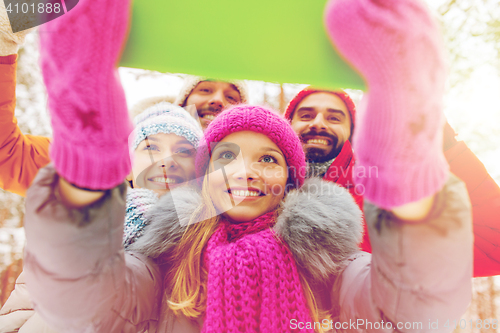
[[484, 195], [21, 156]]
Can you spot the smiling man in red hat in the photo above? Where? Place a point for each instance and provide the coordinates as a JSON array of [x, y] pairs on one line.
[[325, 120]]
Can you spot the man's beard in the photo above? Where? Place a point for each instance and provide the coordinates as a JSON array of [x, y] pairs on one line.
[[317, 155]]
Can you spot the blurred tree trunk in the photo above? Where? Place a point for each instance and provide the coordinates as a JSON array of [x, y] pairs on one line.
[[472, 36], [282, 100], [8, 278]]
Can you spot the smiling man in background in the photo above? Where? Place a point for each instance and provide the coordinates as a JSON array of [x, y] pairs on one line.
[[324, 120], [211, 97]]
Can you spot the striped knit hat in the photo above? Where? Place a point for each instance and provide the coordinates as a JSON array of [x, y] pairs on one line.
[[165, 118]]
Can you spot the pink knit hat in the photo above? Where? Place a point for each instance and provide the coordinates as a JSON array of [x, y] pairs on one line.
[[260, 120]]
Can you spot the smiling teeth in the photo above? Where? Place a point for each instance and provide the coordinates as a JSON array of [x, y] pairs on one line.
[[245, 193], [164, 180], [209, 117], [318, 141]]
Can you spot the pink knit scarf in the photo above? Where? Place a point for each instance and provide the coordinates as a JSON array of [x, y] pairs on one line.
[[253, 284]]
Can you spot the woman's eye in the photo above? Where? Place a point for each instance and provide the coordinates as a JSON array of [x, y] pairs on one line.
[[268, 159], [185, 152], [205, 90], [152, 148], [227, 155], [231, 99]]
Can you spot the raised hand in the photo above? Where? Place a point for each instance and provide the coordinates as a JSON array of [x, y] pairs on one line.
[[80, 52], [396, 45], [9, 41]]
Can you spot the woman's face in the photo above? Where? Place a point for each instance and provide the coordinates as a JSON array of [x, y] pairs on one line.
[[162, 162], [248, 176]]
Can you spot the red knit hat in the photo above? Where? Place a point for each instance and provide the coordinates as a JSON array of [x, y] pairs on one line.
[[290, 109], [260, 120]]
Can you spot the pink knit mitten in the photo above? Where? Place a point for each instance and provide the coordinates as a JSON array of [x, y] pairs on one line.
[[79, 52], [397, 48]]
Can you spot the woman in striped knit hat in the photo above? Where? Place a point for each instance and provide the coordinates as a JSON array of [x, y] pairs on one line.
[[257, 249], [163, 149]]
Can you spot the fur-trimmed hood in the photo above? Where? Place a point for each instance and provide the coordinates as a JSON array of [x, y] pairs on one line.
[[320, 222]]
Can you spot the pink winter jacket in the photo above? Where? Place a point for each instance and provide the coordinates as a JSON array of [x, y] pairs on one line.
[[81, 279]]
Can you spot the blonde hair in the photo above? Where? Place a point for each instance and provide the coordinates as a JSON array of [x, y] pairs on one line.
[[186, 280]]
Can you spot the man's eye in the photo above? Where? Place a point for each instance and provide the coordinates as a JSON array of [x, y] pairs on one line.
[[305, 117], [268, 159], [334, 119]]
